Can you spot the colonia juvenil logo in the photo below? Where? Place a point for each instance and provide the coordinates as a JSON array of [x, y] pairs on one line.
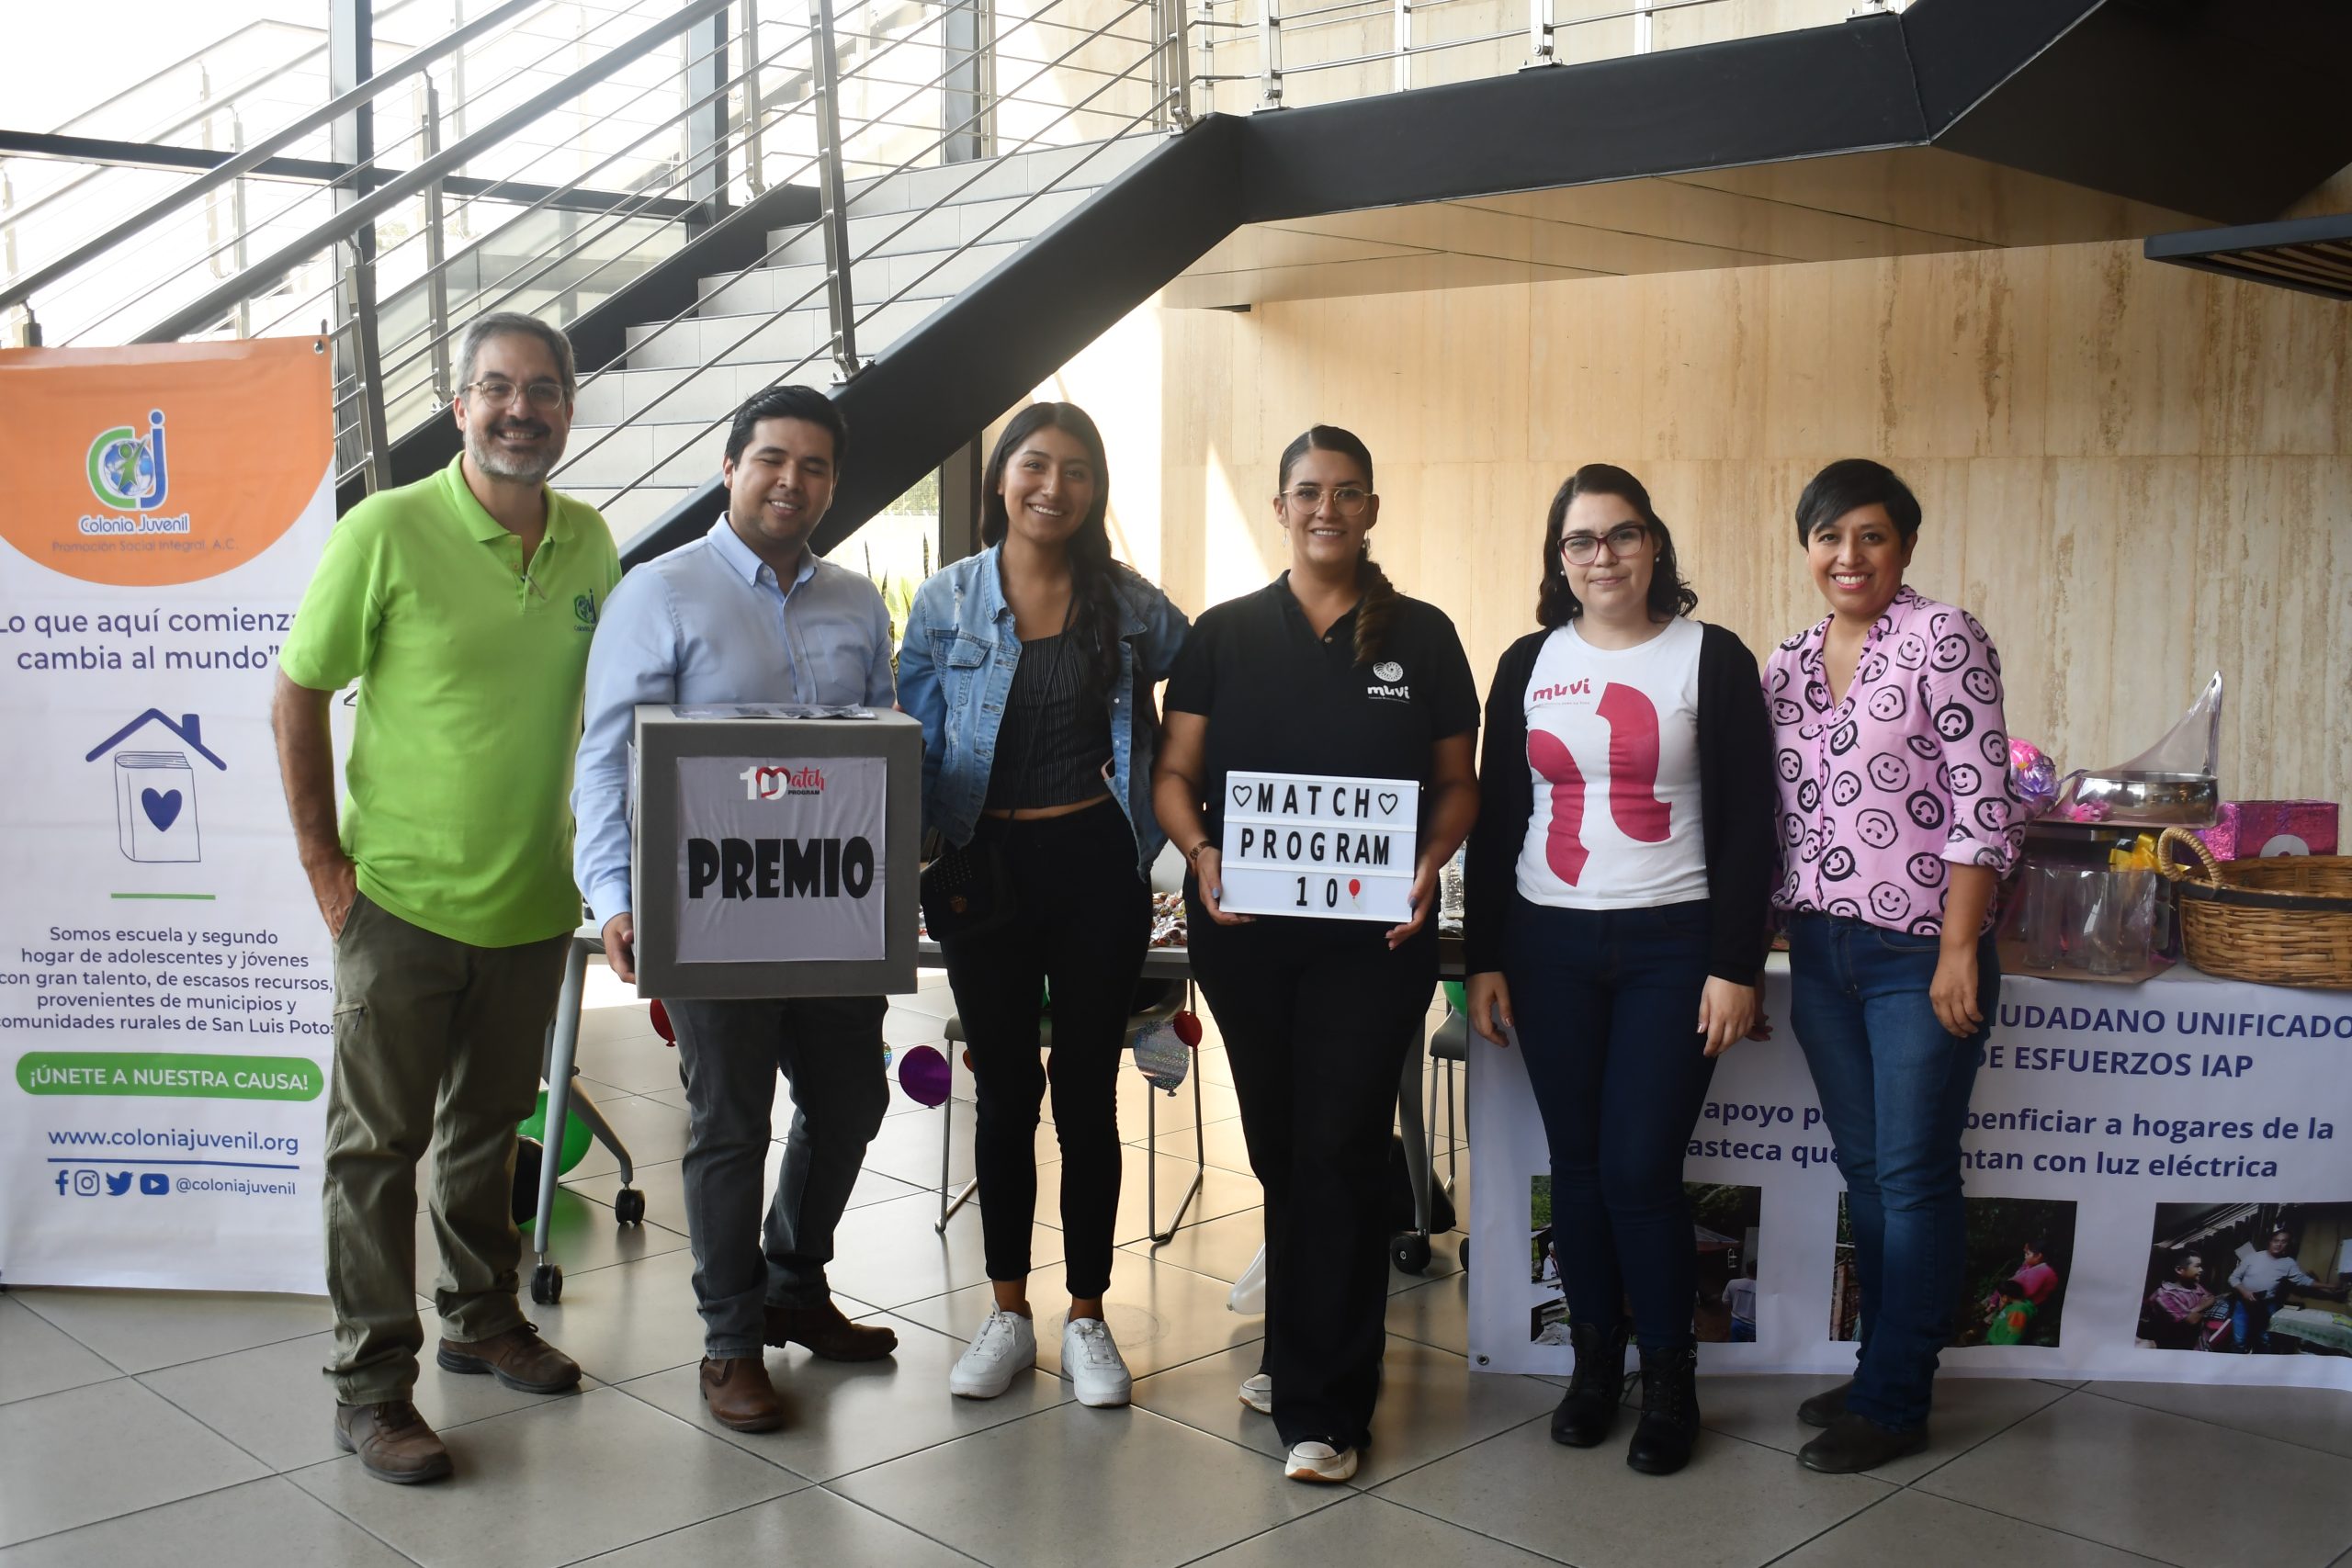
[[129, 472], [165, 465], [764, 783]]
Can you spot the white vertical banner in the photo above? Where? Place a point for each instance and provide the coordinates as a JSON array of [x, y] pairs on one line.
[[166, 983], [2140, 1160]]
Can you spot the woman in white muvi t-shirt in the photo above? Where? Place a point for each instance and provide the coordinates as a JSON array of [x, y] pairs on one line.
[[1616, 888]]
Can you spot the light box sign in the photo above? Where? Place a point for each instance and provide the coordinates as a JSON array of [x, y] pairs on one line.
[[1319, 846], [780, 856]]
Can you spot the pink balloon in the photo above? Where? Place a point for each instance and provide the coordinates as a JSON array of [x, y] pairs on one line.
[[924, 1073]]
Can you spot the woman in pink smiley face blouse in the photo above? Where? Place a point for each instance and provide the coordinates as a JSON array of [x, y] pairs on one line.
[[1897, 821]]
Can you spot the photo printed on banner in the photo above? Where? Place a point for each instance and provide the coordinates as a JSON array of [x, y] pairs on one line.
[[1726, 1227], [2013, 1287], [2248, 1280]]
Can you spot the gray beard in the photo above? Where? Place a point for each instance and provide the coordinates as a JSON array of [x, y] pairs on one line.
[[498, 465]]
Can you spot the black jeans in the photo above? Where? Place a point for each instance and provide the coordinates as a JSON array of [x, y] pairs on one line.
[[831, 1049], [1084, 924], [1606, 1002], [1318, 1017]]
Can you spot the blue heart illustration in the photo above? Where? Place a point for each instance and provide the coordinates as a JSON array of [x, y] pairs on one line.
[[163, 806]]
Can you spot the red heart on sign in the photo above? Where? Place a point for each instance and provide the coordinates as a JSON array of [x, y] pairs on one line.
[[1354, 887]]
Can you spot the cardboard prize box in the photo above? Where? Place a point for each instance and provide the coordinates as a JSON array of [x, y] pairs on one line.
[[775, 854]]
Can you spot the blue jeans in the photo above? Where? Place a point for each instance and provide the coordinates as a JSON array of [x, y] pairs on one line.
[[1893, 1089], [2250, 1323], [1607, 1002]]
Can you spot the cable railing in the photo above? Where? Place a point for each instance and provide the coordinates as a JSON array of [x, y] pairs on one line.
[[418, 144], [611, 136], [845, 316], [1396, 45]]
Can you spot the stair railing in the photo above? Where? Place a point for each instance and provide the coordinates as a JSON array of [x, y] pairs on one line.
[[1167, 107], [413, 253]]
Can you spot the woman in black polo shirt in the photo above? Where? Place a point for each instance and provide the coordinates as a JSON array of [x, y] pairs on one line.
[[1328, 672]]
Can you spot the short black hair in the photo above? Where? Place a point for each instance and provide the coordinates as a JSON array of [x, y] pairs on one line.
[[789, 402], [1850, 482]]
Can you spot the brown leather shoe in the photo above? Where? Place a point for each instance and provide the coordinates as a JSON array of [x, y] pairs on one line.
[[828, 1333], [740, 1395], [392, 1441], [519, 1358]]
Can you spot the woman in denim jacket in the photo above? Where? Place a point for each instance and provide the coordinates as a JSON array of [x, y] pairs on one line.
[[1031, 666]]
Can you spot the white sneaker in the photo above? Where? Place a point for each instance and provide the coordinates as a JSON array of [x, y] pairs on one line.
[[1092, 1364], [1258, 1392], [1006, 1344], [1320, 1461]]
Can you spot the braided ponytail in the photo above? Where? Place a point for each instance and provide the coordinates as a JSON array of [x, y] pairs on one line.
[[1377, 610]]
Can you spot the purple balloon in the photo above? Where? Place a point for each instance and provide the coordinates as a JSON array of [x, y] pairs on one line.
[[924, 1073]]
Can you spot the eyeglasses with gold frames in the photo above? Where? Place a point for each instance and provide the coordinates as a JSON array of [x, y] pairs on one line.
[[1348, 501]]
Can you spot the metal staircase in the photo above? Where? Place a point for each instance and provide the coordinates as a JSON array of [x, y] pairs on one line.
[[647, 430]]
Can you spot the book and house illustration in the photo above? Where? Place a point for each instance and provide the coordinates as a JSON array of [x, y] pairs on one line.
[[154, 792]]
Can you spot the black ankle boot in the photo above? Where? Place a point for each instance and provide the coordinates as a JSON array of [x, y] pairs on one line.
[[1669, 1423], [1588, 1409]]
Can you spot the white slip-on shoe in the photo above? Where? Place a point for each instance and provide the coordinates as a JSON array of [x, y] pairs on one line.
[[1258, 1392], [1091, 1362], [1312, 1460], [1006, 1344]]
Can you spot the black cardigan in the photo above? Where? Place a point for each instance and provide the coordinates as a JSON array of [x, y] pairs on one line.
[[1739, 804]]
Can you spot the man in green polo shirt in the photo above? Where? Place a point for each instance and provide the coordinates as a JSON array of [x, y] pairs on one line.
[[463, 604]]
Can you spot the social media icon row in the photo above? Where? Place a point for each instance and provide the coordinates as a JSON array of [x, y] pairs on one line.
[[115, 1184]]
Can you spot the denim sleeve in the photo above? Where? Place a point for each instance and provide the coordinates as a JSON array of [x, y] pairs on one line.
[[633, 659], [920, 696], [1165, 631]]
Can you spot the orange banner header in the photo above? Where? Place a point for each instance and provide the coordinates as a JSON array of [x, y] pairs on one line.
[[161, 464]]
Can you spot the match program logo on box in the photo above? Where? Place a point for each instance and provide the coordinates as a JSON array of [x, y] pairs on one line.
[[764, 783]]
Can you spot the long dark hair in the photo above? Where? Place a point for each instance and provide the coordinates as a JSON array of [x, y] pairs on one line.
[[1093, 575], [1378, 608], [1555, 603]]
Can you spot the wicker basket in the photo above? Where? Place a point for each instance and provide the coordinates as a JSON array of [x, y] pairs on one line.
[[2282, 921]]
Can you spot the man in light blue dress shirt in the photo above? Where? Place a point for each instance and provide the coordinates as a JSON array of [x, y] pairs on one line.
[[748, 614]]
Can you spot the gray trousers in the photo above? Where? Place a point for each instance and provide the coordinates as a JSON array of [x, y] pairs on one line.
[[830, 1048], [433, 1038]]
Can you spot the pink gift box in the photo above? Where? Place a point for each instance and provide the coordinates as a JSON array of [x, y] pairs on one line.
[[2250, 829]]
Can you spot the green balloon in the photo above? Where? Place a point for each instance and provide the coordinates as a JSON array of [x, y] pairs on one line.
[[1454, 998], [576, 1136]]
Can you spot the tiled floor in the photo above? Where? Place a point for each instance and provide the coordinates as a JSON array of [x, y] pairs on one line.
[[142, 1428]]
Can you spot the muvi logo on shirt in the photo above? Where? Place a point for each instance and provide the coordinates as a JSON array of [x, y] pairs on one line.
[[1390, 674]]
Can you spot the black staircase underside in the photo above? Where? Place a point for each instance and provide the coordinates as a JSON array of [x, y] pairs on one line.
[[2210, 107]]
